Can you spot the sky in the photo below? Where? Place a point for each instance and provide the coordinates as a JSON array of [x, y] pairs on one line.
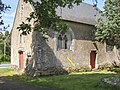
[[8, 17]]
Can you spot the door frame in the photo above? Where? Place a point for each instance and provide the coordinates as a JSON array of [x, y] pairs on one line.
[[21, 60]]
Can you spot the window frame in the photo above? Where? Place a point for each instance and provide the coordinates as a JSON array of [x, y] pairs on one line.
[[70, 41]]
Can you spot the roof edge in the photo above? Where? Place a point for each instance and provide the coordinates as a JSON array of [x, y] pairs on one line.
[[15, 15]]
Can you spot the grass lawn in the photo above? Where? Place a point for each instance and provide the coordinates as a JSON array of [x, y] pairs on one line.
[[5, 62], [73, 81], [6, 72]]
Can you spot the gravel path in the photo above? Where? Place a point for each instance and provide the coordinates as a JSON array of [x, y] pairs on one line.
[[14, 85], [5, 65]]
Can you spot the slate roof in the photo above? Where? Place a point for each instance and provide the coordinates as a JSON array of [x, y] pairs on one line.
[[83, 13]]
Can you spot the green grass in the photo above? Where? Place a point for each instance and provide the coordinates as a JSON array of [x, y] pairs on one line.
[[73, 81], [6, 72], [5, 62]]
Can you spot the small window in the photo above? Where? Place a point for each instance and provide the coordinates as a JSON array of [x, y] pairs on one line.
[[20, 38], [65, 42], [59, 42]]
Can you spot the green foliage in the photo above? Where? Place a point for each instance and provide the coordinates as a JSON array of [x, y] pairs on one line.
[[108, 26], [1, 43], [116, 69], [5, 44], [105, 66], [3, 8], [1, 56], [1, 46], [26, 28], [6, 58], [45, 16]]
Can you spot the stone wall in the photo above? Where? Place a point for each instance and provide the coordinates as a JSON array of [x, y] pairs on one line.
[[46, 59], [17, 40], [49, 60]]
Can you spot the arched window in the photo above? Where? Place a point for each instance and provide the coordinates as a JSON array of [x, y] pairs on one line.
[[64, 40]]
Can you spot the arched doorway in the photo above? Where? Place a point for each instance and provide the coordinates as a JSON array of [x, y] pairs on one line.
[[21, 60]]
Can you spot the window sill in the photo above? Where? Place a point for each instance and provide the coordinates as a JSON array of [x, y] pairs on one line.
[[64, 50]]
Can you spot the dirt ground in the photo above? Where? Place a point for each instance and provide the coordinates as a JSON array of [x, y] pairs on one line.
[[14, 85]]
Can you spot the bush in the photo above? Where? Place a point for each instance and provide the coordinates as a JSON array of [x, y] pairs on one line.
[[6, 58], [78, 69], [1, 57], [105, 66], [116, 69]]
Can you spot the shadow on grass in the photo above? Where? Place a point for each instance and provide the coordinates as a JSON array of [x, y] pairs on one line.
[[85, 81], [16, 82]]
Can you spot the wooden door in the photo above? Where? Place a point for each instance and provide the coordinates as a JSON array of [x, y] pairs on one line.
[[92, 59], [21, 60]]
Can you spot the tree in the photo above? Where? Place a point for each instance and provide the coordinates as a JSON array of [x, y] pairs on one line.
[[45, 16], [5, 46], [7, 42], [3, 8], [108, 26], [1, 43]]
